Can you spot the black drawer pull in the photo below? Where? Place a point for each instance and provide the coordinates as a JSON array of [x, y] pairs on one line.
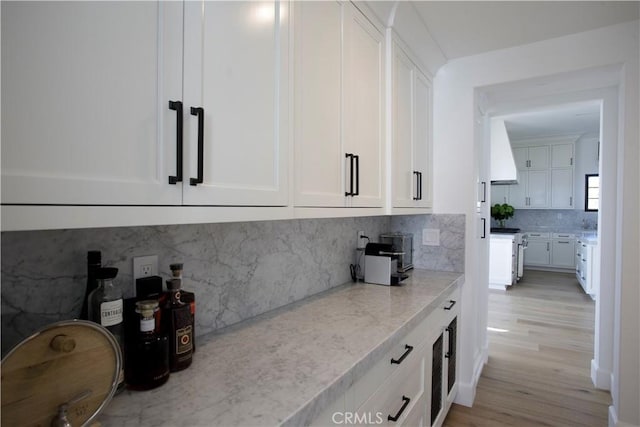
[[417, 192], [408, 349], [406, 401], [452, 303], [357, 192], [199, 111], [177, 107]]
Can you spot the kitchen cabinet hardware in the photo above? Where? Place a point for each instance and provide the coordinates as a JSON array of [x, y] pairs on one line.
[[548, 246], [452, 303], [484, 228], [418, 195], [563, 242], [408, 349], [449, 352], [177, 107], [484, 192], [350, 192], [354, 174], [199, 111], [570, 201], [405, 403]]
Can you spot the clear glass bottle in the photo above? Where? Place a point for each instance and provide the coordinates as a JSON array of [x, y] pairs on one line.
[[179, 328], [149, 362], [106, 308]]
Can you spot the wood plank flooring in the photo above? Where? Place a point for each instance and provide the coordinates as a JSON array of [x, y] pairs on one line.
[[540, 351]]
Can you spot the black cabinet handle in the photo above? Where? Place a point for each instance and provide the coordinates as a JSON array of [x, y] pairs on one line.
[[450, 349], [417, 196], [420, 187], [408, 349], [199, 111], [484, 228], [452, 303], [350, 157], [357, 192], [177, 107], [406, 401]]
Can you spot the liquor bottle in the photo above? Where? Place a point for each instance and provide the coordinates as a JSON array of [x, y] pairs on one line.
[[94, 262], [148, 365], [179, 328], [187, 298], [106, 308]]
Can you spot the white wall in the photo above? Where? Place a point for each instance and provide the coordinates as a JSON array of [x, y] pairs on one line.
[[455, 175]]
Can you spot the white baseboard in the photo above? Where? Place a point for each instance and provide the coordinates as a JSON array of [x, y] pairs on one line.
[[467, 391], [613, 419], [601, 379]]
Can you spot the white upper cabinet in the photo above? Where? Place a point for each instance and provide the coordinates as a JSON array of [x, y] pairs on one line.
[[85, 102], [562, 188], [319, 156], [236, 70], [411, 132], [562, 156], [364, 107], [339, 107], [531, 158]]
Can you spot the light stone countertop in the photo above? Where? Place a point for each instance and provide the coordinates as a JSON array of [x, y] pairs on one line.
[[286, 366]]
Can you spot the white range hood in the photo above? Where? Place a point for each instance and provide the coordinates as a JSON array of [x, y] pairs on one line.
[[503, 167]]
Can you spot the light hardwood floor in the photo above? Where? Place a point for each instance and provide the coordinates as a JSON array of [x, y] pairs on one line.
[[540, 350]]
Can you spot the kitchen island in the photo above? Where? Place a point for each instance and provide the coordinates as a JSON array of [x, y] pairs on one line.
[[285, 367]]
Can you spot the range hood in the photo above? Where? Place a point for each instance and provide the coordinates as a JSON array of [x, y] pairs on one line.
[[503, 167]]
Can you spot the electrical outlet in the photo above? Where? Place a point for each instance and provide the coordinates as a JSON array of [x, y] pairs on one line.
[[360, 242], [144, 266], [431, 237]]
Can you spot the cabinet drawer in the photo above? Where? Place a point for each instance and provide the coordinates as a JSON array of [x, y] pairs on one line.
[[399, 395], [538, 236], [564, 236]]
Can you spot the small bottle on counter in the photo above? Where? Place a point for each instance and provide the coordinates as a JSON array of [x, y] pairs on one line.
[[179, 328], [186, 297], [149, 361], [94, 262], [106, 308]]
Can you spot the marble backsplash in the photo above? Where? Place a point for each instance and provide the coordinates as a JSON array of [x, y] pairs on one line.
[[237, 270], [552, 219]]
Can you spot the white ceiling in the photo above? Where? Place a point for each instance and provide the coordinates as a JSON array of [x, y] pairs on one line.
[[463, 28], [571, 119]]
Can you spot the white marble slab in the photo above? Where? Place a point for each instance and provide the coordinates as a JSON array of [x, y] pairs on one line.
[[286, 366]]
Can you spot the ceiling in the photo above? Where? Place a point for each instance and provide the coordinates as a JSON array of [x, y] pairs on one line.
[[571, 119], [463, 28]]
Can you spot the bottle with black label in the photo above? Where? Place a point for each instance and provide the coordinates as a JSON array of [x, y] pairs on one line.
[[106, 308], [186, 297], [179, 328], [148, 365], [94, 262]]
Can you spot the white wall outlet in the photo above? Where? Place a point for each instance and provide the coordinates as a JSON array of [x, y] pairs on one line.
[[360, 242], [144, 266], [431, 237]]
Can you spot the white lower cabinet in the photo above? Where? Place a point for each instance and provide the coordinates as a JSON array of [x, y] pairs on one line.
[[587, 264], [413, 384], [555, 250]]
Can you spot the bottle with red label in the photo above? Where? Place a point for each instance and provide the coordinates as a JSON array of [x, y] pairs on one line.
[[179, 327]]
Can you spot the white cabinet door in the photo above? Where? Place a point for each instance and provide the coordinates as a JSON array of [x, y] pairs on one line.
[[404, 179], [563, 253], [236, 65], [538, 189], [521, 157], [538, 252], [319, 155], [562, 156], [562, 188], [422, 146], [85, 94], [538, 157], [518, 196], [364, 105]]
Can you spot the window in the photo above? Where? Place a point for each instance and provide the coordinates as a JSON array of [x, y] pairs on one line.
[[591, 193]]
